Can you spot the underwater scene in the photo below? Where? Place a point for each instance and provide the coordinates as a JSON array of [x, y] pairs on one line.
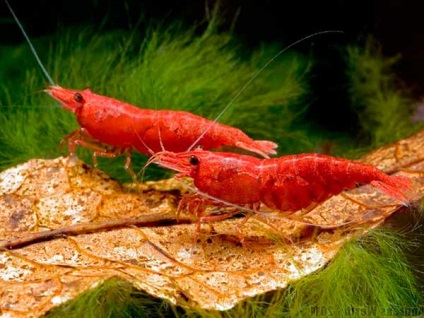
[[211, 159]]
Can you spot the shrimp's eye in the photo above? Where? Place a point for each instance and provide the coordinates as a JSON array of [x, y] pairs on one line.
[[193, 160], [78, 97]]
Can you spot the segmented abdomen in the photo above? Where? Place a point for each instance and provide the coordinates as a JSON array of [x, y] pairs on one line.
[[294, 182]]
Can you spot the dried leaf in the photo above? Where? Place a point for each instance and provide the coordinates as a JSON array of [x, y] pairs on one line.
[[171, 261]]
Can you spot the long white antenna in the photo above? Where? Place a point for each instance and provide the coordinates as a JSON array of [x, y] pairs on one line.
[[30, 45], [253, 78]]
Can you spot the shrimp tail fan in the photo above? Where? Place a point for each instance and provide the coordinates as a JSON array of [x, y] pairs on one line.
[[394, 186]]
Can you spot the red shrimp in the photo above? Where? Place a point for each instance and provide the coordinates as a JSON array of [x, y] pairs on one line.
[[111, 127], [286, 184], [125, 126]]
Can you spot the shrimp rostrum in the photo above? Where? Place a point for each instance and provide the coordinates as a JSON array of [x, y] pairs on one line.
[[286, 184]]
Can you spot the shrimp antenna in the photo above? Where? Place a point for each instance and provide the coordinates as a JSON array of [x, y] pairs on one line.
[[254, 77], [151, 160], [162, 147], [150, 150], [30, 45]]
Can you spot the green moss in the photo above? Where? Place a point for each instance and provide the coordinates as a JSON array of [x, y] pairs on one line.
[[384, 109]]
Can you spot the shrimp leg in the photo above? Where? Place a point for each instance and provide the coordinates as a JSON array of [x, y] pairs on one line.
[[81, 137]]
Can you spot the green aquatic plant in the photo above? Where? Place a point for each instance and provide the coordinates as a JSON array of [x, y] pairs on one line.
[[384, 109]]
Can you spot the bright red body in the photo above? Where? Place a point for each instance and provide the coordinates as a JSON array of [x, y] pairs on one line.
[[125, 126], [287, 184]]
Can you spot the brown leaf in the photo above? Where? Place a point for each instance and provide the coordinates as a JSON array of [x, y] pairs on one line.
[[98, 229]]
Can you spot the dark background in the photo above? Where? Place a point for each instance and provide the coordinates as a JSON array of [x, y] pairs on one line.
[[398, 25]]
